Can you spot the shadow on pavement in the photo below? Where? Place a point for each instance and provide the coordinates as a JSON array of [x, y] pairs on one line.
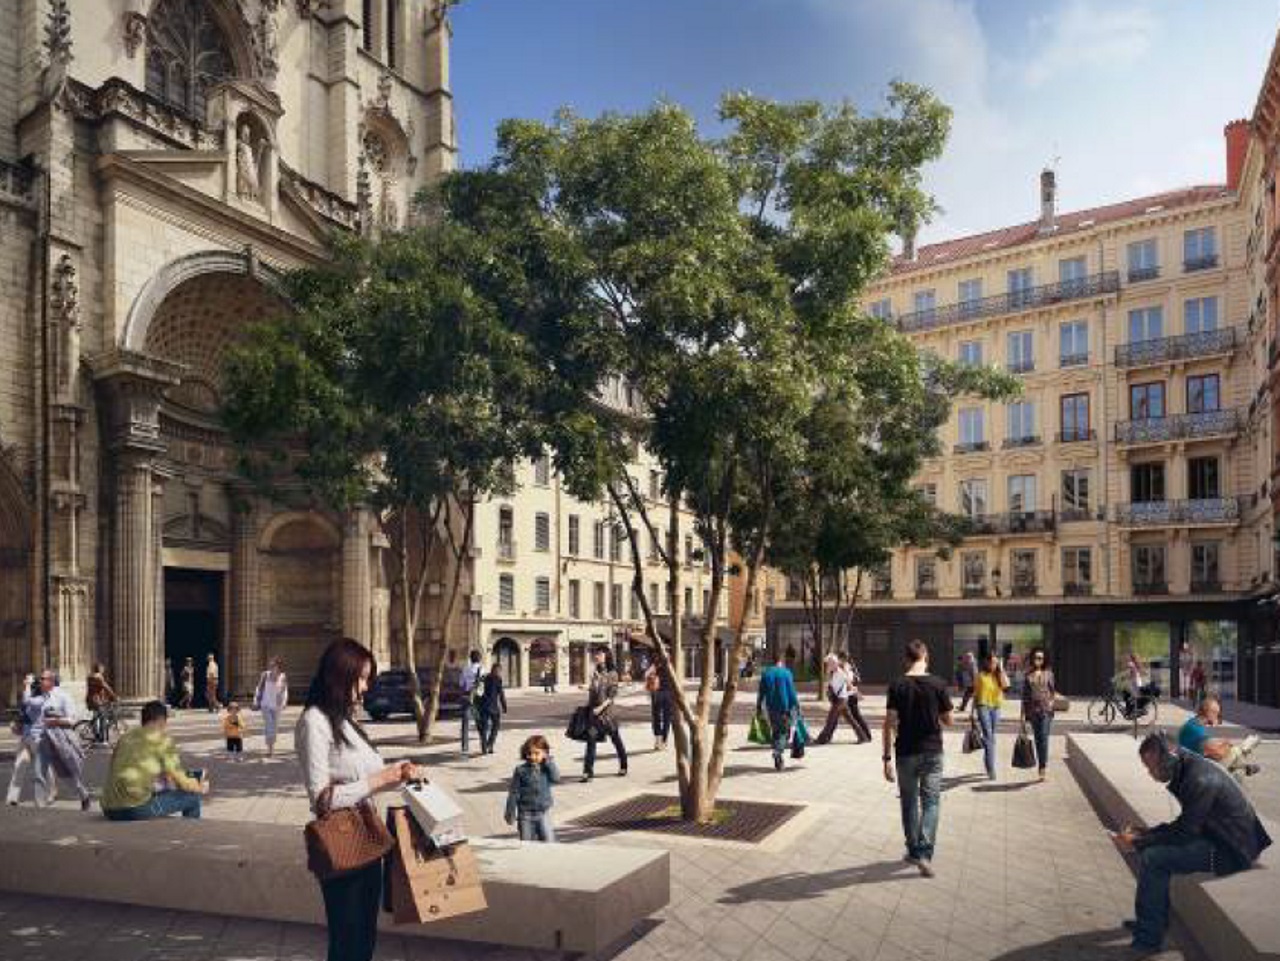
[[1111, 944], [1003, 787], [959, 780], [797, 886]]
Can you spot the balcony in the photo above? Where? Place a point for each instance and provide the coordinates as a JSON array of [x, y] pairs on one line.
[[1077, 589], [506, 550], [1031, 440], [1217, 510], [1024, 589], [971, 591], [1158, 430], [1081, 436], [1014, 522], [1073, 360], [1138, 274], [1075, 514], [1160, 350], [925, 592], [1207, 262], [1021, 366], [1146, 588], [973, 447], [1206, 587], [881, 592], [1094, 285]]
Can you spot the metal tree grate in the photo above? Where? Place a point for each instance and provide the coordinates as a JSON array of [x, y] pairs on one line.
[[747, 821]]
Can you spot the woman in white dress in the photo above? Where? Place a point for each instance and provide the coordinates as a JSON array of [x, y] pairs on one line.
[[270, 698]]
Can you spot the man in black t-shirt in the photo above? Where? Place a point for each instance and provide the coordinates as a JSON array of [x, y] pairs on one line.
[[917, 707]]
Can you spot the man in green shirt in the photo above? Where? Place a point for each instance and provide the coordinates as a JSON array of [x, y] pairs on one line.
[[146, 778]]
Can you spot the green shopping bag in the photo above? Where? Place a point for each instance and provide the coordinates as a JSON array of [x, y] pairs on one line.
[[759, 732]]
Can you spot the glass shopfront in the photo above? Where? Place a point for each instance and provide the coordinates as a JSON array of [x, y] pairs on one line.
[[1215, 644], [1151, 642]]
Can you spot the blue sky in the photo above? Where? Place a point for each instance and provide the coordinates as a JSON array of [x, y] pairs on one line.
[[1130, 96]]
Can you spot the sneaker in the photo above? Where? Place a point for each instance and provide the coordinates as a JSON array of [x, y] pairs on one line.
[[585, 778], [622, 772], [777, 762], [926, 867], [85, 803], [1249, 743], [1251, 769], [912, 860]]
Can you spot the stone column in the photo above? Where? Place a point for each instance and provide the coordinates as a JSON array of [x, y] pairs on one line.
[[134, 655], [357, 588], [245, 658], [523, 680]]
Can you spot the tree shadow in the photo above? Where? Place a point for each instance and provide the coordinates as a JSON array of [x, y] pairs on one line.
[[959, 780], [1110, 944], [803, 886], [743, 770]]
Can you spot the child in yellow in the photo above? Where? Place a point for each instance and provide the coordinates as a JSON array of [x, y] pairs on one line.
[[233, 730]]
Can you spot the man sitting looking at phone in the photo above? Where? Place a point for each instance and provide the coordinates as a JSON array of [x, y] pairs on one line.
[[146, 779]]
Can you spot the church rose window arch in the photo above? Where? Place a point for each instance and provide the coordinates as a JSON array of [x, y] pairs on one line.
[[188, 51]]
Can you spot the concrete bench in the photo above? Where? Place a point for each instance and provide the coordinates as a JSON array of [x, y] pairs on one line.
[[575, 898], [1232, 918]]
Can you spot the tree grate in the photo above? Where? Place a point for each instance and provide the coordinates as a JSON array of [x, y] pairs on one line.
[[746, 821]]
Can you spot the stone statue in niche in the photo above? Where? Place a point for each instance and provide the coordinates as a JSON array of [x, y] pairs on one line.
[[250, 152], [388, 210]]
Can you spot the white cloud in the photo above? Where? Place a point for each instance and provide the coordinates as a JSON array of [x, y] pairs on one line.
[[1088, 35]]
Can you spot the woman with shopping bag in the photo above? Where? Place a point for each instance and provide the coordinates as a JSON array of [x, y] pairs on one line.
[[343, 771]]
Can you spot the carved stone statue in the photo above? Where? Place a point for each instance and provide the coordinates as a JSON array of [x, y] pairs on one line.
[[249, 154], [388, 209], [268, 41]]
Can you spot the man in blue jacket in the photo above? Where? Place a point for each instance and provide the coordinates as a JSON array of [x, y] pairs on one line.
[[778, 695]]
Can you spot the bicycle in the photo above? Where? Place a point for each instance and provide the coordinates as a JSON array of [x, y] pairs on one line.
[[105, 727], [1114, 705]]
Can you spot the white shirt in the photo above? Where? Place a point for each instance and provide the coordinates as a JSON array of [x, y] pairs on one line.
[[470, 675], [324, 761], [272, 696]]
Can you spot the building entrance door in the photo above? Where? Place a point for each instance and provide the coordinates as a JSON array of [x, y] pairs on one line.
[[192, 623]]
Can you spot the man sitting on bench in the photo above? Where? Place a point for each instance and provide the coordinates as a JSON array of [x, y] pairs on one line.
[[1194, 736], [146, 779]]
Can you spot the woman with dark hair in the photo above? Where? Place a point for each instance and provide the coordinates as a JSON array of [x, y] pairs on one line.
[[600, 696], [490, 707], [1038, 694], [989, 688], [342, 768]]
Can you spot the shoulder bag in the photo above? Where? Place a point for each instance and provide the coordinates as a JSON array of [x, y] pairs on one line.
[[973, 739], [343, 840], [1024, 750]]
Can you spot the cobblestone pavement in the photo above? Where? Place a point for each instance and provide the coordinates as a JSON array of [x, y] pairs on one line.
[[1024, 870]]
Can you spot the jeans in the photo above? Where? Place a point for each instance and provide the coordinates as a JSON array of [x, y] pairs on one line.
[[351, 903], [1041, 725], [660, 714], [270, 722], [589, 762], [988, 717], [920, 792], [467, 712], [161, 805], [535, 826], [488, 725], [780, 728], [1159, 863]]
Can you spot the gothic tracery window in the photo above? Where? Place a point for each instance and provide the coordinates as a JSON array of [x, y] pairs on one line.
[[187, 52]]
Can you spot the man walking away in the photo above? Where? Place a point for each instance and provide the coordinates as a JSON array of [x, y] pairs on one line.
[[1218, 830], [211, 685], [917, 707], [470, 680], [777, 694]]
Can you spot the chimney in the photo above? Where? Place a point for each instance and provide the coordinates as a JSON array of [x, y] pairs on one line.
[[1237, 135], [1048, 200]]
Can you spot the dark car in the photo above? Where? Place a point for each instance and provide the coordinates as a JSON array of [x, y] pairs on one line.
[[390, 694]]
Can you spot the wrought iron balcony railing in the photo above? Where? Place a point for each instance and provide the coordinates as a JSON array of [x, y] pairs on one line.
[[1074, 360], [973, 447], [1030, 440], [1081, 436], [1139, 274], [1014, 522], [1159, 350], [1206, 587], [1156, 430], [973, 590], [1217, 510], [1072, 514], [1025, 589], [1077, 589], [926, 592], [1207, 262], [1107, 282], [1150, 587], [1024, 366]]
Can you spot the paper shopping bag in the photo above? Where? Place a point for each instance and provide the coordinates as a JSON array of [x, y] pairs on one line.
[[436, 813], [429, 883]]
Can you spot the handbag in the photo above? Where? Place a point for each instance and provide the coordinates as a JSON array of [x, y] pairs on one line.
[[340, 841], [1061, 704], [759, 732], [801, 731], [1024, 750], [580, 725], [973, 739]]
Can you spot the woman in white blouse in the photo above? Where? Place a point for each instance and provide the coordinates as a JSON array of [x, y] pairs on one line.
[[270, 697], [337, 756]]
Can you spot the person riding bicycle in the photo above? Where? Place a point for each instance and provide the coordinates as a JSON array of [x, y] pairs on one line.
[[98, 698], [1134, 686]]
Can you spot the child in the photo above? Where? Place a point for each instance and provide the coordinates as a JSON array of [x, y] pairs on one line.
[[529, 799], [233, 729]]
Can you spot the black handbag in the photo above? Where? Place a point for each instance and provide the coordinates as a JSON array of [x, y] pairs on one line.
[[580, 726], [973, 739], [1024, 751]]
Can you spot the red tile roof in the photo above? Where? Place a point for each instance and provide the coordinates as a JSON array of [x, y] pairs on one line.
[[950, 251]]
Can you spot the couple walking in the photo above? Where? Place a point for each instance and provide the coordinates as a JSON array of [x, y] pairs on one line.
[[843, 695]]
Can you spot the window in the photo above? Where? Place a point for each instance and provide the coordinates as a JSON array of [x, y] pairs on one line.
[[929, 492], [1072, 273], [688, 600], [1144, 262], [1202, 394], [393, 16], [1019, 352], [1020, 283], [882, 309], [1075, 492], [575, 535], [653, 598], [615, 601], [541, 532], [1146, 323], [971, 353], [1146, 401], [1148, 568], [1202, 479], [1204, 567], [655, 485], [970, 292], [616, 541], [575, 598], [1023, 563], [654, 553], [1022, 493], [597, 540], [1146, 483], [688, 549], [1074, 409], [1199, 249], [1077, 570], [506, 533], [597, 600], [542, 470], [366, 26], [924, 301], [706, 603], [971, 428], [973, 497], [926, 577], [1200, 315], [506, 592], [1073, 343], [1021, 421], [633, 605], [542, 594], [187, 53]]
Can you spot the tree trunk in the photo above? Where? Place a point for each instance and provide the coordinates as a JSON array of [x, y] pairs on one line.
[[458, 548]]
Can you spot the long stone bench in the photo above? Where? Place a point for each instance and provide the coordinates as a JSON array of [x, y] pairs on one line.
[[1232, 918], [575, 898]]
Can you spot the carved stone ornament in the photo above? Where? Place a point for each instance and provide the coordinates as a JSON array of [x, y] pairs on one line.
[[66, 292], [308, 7], [267, 35], [135, 32], [57, 47], [384, 90]]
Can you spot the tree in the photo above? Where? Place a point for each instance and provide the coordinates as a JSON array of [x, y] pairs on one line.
[[393, 386], [721, 279]]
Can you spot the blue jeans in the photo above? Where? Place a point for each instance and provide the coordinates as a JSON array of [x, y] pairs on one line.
[[920, 792], [988, 717], [488, 725], [160, 806], [535, 826], [467, 715], [1041, 725], [1160, 862], [780, 728]]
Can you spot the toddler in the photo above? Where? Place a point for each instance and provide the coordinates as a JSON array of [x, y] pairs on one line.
[[233, 730], [529, 800]]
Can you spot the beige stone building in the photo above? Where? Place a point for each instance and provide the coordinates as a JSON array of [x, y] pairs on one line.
[[161, 163]]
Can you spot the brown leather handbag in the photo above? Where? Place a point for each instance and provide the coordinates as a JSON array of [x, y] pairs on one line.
[[346, 839]]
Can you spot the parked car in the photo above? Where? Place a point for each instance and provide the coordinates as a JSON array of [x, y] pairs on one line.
[[390, 694]]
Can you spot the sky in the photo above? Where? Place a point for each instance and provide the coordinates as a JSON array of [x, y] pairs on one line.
[[1122, 97]]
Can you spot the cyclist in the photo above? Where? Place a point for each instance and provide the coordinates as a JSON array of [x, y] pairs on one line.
[[99, 696]]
